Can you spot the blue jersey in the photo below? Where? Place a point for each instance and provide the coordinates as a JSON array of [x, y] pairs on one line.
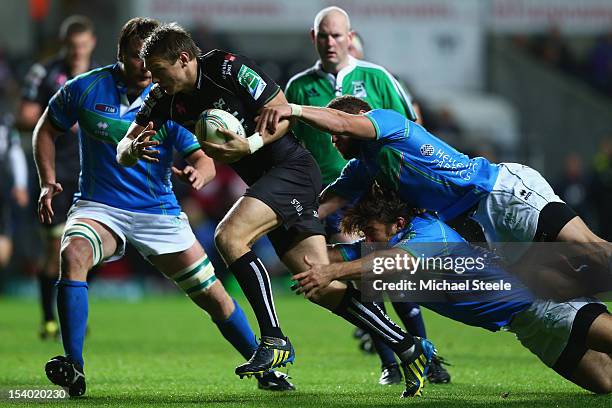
[[97, 100], [429, 237], [425, 171]]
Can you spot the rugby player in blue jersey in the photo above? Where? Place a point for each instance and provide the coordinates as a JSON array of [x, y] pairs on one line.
[[117, 204], [512, 202], [574, 338]]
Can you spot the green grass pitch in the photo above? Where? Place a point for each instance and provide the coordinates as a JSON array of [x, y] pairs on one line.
[[166, 352]]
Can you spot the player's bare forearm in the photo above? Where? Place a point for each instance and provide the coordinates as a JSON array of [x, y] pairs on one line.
[[337, 122], [43, 145], [203, 164], [134, 130], [282, 127], [358, 268], [330, 203], [136, 145]]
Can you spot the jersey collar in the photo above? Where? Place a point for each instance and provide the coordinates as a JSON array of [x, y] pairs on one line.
[[199, 76], [125, 105], [336, 80]]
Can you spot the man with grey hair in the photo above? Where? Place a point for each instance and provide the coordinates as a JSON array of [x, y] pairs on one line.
[[339, 72]]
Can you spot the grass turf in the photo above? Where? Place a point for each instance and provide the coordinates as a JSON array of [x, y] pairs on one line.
[[166, 352]]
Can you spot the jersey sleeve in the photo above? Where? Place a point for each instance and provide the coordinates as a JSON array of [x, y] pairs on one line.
[[349, 251], [63, 106], [34, 89], [241, 75], [155, 108], [396, 98], [185, 142], [428, 235], [353, 182], [389, 125], [292, 93]]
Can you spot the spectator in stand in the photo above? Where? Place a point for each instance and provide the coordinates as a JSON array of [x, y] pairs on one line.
[[600, 64], [553, 50], [573, 185]]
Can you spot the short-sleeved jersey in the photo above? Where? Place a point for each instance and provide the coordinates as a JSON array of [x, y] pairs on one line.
[[237, 85], [97, 100], [424, 170], [428, 237], [315, 87], [40, 84]]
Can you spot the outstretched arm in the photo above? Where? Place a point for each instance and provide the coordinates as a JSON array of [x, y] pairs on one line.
[[135, 145], [199, 172], [43, 143], [328, 120], [320, 276]]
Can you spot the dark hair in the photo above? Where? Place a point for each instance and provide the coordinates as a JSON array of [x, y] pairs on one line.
[[378, 204], [136, 28], [349, 104], [167, 42], [75, 24]]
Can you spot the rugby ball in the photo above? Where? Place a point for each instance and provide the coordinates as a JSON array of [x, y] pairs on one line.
[[212, 119]]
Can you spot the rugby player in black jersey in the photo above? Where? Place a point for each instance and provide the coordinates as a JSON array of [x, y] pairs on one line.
[[281, 201], [42, 81]]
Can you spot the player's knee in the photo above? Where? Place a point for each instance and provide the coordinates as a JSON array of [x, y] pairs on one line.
[[197, 280], [75, 259], [222, 238], [602, 384]]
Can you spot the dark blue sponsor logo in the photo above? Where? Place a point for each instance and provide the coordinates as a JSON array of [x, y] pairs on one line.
[[105, 108]]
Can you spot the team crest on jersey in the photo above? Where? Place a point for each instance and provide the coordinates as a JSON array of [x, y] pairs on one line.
[[251, 81], [359, 89], [427, 150], [219, 104], [312, 93]]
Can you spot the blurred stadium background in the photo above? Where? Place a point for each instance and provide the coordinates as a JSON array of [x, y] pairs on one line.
[[513, 80]]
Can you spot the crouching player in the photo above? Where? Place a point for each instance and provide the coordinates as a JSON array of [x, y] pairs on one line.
[[116, 204], [574, 338]]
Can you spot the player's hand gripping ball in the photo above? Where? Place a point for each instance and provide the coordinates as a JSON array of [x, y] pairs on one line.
[[212, 119]]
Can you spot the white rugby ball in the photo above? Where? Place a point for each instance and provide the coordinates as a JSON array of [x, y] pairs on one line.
[[212, 119]]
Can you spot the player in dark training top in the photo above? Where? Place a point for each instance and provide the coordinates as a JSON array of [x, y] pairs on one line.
[[281, 201]]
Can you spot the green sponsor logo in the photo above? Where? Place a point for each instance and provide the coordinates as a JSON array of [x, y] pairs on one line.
[[251, 81]]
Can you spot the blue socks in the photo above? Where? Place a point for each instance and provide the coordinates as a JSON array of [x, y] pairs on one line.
[[238, 332], [410, 315], [72, 308]]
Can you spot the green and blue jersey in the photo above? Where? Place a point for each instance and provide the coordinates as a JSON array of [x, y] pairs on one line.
[[428, 237], [98, 101], [425, 171]]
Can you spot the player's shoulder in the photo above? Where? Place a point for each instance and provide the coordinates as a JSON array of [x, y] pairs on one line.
[[372, 69], [54, 63], [213, 55], [44, 68], [387, 115], [219, 57], [93, 75], [303, 77]]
